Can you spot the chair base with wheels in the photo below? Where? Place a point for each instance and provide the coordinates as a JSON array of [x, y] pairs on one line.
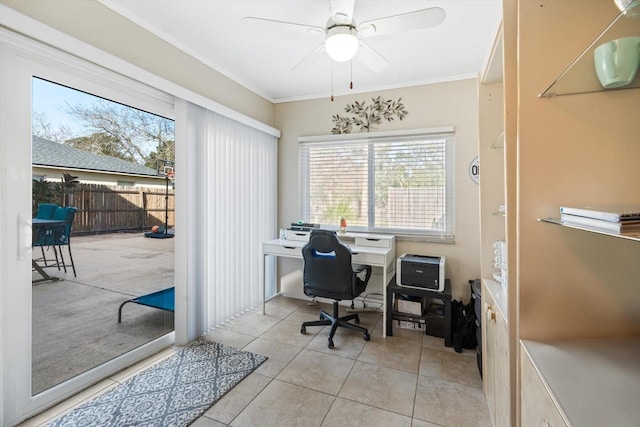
[[334, 320]]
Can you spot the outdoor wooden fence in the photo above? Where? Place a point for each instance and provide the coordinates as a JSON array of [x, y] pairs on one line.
[[103, 208]]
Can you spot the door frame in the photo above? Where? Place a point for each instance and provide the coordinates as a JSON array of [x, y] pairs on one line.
[[20, 60]]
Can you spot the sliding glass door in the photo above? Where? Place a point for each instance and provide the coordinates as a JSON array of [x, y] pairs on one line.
[[63, 322]]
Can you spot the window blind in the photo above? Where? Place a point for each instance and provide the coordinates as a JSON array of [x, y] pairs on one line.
[[400, 184], [239, 196]]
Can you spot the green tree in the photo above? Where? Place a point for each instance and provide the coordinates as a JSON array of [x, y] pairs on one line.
[[337, 210], [164, 151], [66, 187], [399, 167], [41, 192]]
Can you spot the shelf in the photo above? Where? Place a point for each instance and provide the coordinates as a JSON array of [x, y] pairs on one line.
[[500, 212], [499, 142], [444, 296], [433, 325], [580, 76], [628, 236], [611, 363]]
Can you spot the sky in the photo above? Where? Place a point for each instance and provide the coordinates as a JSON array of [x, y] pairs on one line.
[[52, 101]]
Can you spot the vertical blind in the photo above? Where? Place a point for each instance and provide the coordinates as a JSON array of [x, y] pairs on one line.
[[399, 184], [239, 188]]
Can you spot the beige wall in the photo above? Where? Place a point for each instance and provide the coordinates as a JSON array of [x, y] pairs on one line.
[[93, 23], [445, 104], [574, 150]]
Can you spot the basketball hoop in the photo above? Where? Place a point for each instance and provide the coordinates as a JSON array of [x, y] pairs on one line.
[[164, 167], [171, 176]]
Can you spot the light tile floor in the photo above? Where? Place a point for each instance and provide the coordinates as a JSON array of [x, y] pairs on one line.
[[409, 379]]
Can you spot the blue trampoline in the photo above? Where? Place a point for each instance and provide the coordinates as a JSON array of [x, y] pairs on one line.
[[164, 300]]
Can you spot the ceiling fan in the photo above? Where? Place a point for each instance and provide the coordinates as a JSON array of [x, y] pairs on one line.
[[344, 37]]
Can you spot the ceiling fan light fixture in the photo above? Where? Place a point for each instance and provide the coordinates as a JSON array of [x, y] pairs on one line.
[[341, 43]]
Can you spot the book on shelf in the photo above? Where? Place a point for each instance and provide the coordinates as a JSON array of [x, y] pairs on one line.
[[630, 225], [612, 213]]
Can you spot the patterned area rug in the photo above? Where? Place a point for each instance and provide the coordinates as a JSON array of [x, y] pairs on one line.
[[173, 392]]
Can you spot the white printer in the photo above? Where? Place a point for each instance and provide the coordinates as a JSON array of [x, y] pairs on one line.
[[420, 272]]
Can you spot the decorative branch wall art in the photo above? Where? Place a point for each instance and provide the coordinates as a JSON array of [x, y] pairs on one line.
[[366, 116]]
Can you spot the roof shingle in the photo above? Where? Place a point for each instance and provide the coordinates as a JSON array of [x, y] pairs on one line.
[[49, 153]]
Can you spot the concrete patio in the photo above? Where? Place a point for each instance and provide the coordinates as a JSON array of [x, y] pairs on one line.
[[75, 320]]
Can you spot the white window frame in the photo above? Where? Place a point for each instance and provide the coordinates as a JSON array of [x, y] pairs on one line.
[[447, 236]]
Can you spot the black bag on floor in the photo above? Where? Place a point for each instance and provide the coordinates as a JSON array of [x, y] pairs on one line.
[[463, 317]]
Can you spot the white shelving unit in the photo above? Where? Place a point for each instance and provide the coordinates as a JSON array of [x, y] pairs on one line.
[[566, 379]]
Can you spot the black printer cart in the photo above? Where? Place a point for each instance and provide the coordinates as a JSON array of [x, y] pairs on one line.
[[444, 296]]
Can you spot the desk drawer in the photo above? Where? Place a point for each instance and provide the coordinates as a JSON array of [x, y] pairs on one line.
[[364, 258], [287, 251], [373, 242]]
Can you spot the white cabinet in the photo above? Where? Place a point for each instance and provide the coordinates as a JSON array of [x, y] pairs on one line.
[[580, 382], [495, 354], [537, 407], [496, 371]]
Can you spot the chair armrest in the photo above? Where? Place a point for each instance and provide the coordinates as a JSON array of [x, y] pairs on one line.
[[360, 269]]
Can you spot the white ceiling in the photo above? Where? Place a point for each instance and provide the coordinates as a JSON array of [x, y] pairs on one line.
[[262, 60]]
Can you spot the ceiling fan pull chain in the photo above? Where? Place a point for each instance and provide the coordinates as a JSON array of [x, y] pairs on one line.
[[331, 81], [351, 74]]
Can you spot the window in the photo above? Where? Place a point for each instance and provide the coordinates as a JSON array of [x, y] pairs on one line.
[[400, 183]]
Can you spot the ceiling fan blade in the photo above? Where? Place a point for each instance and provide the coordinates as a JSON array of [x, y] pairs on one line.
[[425, 18], [342, 11], [370, 58], [274, 25], [312, 57]]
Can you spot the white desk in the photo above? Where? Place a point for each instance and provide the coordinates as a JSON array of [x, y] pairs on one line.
[[370, 249]]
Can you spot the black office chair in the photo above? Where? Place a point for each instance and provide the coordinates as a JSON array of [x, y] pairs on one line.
[[328, 273]]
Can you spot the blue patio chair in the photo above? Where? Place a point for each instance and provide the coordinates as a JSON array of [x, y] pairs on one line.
[[46, 210], [64, 237], [58, 237]]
